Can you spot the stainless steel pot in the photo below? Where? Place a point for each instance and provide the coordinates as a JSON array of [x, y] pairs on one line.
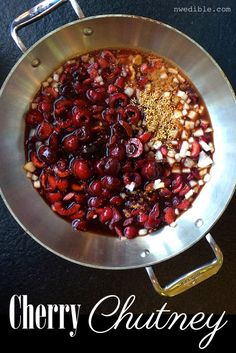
[[30, 210]]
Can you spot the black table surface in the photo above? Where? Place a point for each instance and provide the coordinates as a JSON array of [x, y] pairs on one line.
[[27, 268]]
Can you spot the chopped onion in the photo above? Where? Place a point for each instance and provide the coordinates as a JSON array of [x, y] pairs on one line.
[[186, 170], [37, 184], [129, 91], [189, 163], [193, 183], [98, 79], [45, 84], [182, 95], [171, 153], [163, 76], [189, 125], [209, 129], [172, 71], [205, 146], [158, 184], [184, 149], [173, 224], [207, 177], [56, 77], [170, 160], [192, 114], [203, 172], [204, 160], [166, 94], [201, 110], [177, 114], [186, 106], [189, 194], [29, 175], [198, 133], [178, 157], [142, 231], [156, 145], [181, 78], [29, 166], [130, 186], [185, 135], [158, 156]]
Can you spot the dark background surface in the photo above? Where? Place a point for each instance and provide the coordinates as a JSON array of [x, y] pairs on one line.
[[28, 268]]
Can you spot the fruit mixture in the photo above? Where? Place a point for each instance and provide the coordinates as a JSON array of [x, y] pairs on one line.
[[118, 141]]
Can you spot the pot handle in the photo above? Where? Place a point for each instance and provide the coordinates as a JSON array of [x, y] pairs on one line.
[[36, 13], [191, 278]]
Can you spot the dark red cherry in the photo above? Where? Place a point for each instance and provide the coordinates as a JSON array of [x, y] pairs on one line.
[[71, 143], [116, 200], [47, 154], [108, 166], [84, 134], [117, 150], [111, 183], [95, 201], [33, 118], [133, 114], [130, 232], [95, 187], [134, 148], [81, 169], [112, 166], [44, 130], [94, 96], [150, 170], [132, 177], [79, 224], [81, 117], [118, 99], [105, 214], [45, 107]]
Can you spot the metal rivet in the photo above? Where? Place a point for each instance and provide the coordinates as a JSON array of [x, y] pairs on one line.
[[88, 31], [145, 253], [199, 222], [35, 62]]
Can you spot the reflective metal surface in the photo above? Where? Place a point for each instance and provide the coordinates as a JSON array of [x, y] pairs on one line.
[[37, 12], [24, 81], [192, 278]]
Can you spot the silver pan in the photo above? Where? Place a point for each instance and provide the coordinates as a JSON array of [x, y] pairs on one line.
[[30, 210]]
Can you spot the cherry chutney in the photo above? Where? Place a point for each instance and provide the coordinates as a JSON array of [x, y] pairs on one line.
[[118, 142]]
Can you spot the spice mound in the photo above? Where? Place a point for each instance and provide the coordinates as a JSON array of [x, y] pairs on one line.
[[118, 142]]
